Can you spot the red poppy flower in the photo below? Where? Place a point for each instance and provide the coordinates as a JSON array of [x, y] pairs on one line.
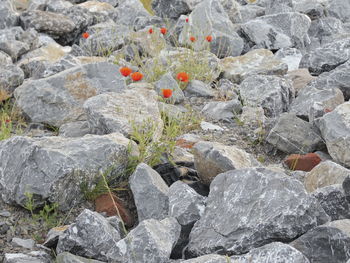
[[186, 20], [183, 76], [193, 39], [7, 121], [86, 35], [167, 93], [209, 38], [136, 76], [150, 30], [163, 30], [125, 71]]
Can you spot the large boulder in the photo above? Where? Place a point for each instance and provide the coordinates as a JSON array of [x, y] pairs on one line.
[[8, 17], [59, 99], [335, 130], [272, 93], [53, 168], [11, 76], [248, 208]]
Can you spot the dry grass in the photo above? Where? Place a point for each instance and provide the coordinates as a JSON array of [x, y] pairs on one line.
[[148, 5]]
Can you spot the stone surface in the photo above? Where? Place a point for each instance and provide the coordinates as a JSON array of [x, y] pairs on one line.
[[302, 162], [52, 168], [251, 207], [339, 9], [91, 236], [11, 76], [8, 17], [293, 135], [34, 256], [290, 56], [25, 243], [120, 112], [278, 31], [335, 130], [272, 93], [168, 82], [333, 201], [260, 61], [222, 110], [59, 99], [151, 241], [66, 257], [210, 18], [74, 129], [129, 12], [197, 88], [5, 59], [211, 258], [14, 48], [211, 159], [324, 244], [150, 193], [173, 9], [325, 174], [300, 78]]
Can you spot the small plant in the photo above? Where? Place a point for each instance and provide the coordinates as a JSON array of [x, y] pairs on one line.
[[11, 121]]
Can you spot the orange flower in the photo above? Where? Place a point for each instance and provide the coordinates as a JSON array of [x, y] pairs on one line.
[[163, 30], [86, 35], [167, 93], [136, 76], [186, 20], [209, 38], [7, 121], [183, 76], [125, 71], [150, 30], [193, 39]]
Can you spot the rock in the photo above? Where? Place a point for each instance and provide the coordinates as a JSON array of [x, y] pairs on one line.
[[253, 117], [311, 96], [333, 201], [227, 90], [293, 135], [105, 204], [274, 252], [313, 9], [249, 12], [210, 18], [91, 236], [25, 243], [339, 9], [66, 257], [222, 110], [272, 93], [302, 162], [325, 174], [207, 126], [4, 227], [151, 241], [8, 17], [121, 112], [34, 256], [211, 258], [58, 6], [343, 225], [168, 82], [74, 129], [5, 59], [259, 206], [324, 244], [66, 92], [259, 61], [327, 57], [281, 30], [14, 48], [335, 130], [53, 235], [173, 10], [211, 159], [55, 25], [171, 110], [290, 56], [199, 89], [147, 184], [102, 8], [300, 78], [11, 77], [129, 12], [52, 168]]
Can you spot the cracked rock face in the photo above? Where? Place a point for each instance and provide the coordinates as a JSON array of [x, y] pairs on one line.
[[248, 208]]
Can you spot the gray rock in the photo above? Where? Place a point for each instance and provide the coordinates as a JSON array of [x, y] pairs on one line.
[[255, 62], [312, 8], [293, 135], [272, 93], [326, 58], [278, 6], [207, 126], [128, 12], [249, 12], [211, 258], [227, 90], [290, 56], [4, 227], [151, 241], [74, 129], [120, 112], [59, 99], [311, 96], [335, 130], [343, 225], [173, 9], [211, 159], [253, 117], [91, 236], [52, 168], [300, 78], [339, 9], [14, 48], [25, 243], [222, 110], [150, 193], [8, 17], [58, 6], [274, 252], [278, 31], [324, 244], [5, 59], [66, 257], [168, 82], [34, 256], [210, 18], [333, 201], [11, 76], [172, 110], [198, 88], [259, 206], [325, 174]]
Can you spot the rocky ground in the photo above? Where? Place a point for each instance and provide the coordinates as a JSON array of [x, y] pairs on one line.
[[198, 131]]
